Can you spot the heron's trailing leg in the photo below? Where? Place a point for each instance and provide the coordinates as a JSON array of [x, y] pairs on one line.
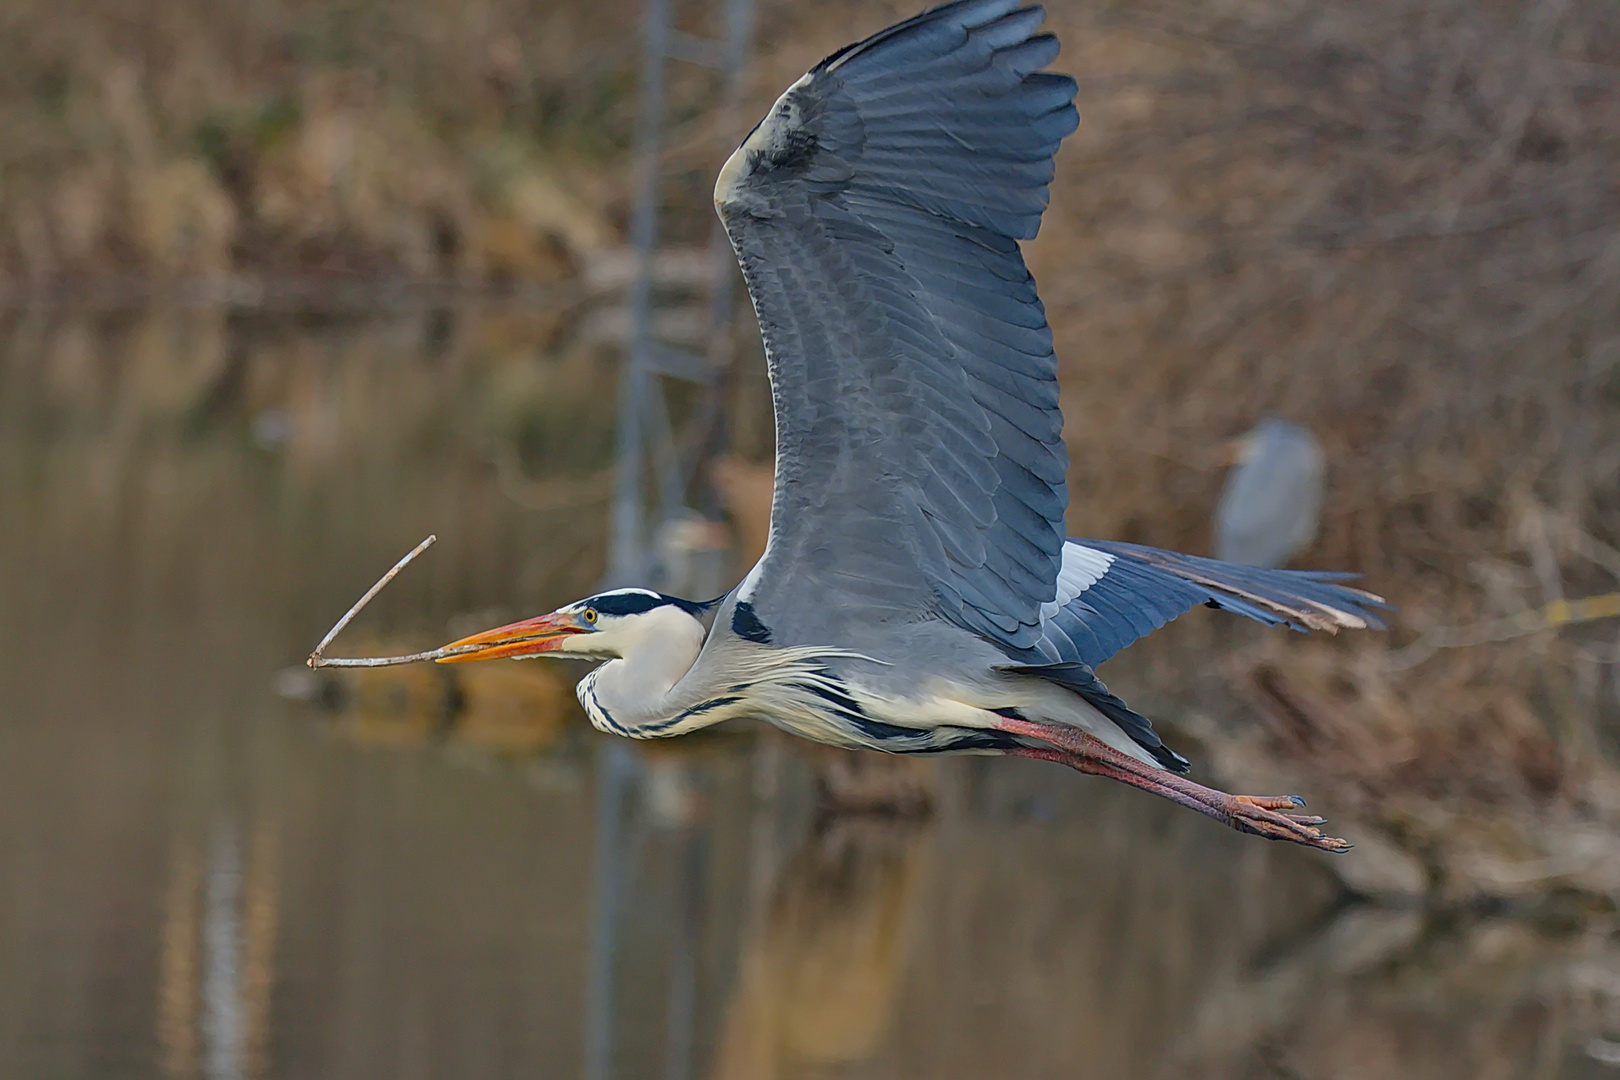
[[1263, 815]]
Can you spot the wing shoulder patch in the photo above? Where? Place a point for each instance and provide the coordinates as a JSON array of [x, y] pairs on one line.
[[791, 141]]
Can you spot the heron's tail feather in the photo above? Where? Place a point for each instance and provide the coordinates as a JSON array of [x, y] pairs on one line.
[[1301, 599]]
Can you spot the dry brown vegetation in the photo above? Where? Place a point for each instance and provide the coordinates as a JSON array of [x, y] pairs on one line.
[[196, 141]]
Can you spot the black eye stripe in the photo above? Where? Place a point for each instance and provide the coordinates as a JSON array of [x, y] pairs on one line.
[[636, 602], [626, 603]]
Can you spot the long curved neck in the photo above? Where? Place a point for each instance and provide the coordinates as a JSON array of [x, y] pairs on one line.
[[635, 688]]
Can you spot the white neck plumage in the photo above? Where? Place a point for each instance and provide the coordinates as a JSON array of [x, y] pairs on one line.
[[653, 651], [649, 688]]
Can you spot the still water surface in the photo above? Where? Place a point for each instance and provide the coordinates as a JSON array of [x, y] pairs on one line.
[[212, 867]]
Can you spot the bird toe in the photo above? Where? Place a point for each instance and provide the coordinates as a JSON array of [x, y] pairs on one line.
[[1261, 815]]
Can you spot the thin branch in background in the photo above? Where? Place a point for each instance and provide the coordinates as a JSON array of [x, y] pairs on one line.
[[318, 659], [1549, 617], [1591, 548], [1543, 560]]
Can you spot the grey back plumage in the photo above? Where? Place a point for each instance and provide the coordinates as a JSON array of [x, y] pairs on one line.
[[876, 213]]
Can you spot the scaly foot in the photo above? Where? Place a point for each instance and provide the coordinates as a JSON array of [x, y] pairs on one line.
[[1269, 816]]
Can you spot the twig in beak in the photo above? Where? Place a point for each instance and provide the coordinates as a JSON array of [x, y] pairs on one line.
[[317, 659], [390, 661]]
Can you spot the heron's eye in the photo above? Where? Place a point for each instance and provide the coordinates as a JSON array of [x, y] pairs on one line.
[[590, 616]]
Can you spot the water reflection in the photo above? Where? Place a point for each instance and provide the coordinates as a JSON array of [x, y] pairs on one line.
[[217, 954], [821, 972], [445, 874]]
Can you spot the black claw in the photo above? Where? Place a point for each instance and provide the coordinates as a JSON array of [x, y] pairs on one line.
[[1297, 800]]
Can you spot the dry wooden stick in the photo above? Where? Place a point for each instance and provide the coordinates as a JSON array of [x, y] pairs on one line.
[[318, 659], [1548, 617]]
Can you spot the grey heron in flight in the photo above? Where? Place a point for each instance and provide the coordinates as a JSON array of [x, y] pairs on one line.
[[918, 594]]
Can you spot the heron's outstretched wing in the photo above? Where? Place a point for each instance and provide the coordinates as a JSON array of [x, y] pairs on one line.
[[876, 212], [1111, 593]]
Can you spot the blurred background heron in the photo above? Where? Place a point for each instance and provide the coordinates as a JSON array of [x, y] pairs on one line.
[[1272, 501]]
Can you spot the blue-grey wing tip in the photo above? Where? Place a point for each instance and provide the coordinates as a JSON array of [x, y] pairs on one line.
[[963, 16]]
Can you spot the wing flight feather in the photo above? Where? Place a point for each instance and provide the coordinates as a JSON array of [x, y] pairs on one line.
[[876, 213]]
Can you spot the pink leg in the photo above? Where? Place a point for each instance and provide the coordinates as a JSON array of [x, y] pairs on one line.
[[1262, 815]]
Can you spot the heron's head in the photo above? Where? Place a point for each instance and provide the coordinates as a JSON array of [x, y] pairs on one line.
[[606, 626]]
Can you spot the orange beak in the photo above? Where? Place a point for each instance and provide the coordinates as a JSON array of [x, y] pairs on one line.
[[527, 638]]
